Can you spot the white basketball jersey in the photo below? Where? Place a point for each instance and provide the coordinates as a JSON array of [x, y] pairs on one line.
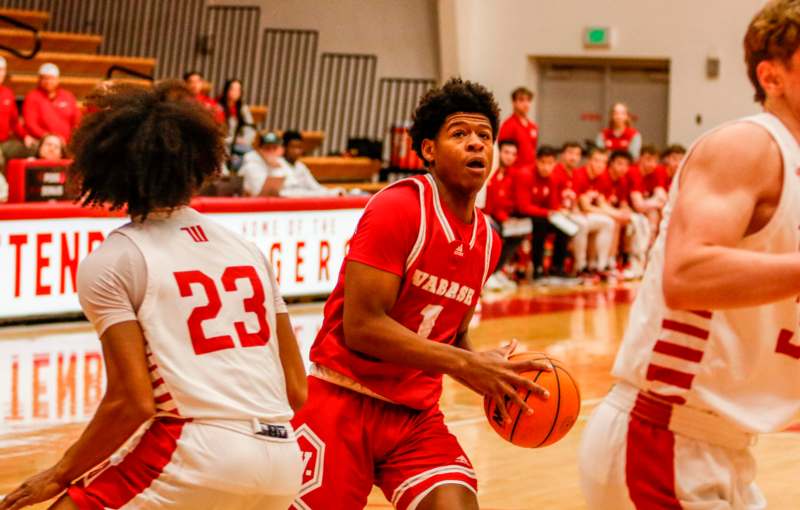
[[742, 364], [208, 320]]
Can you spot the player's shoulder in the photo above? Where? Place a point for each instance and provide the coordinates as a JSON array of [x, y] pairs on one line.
[[401, 196], [115, 249], [739, 148]]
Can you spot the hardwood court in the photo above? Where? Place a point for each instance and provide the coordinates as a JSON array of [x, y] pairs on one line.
[[581, 327]]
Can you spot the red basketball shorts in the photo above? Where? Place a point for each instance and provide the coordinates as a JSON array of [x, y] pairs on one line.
[[351, 442]]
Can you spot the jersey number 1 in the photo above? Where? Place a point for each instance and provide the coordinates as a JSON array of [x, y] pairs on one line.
[[254, 304]]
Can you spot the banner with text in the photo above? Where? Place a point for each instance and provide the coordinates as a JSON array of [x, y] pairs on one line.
[[39, 257]]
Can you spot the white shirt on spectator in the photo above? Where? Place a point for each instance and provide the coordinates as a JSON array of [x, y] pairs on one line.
[[300, 182], [254, 172]]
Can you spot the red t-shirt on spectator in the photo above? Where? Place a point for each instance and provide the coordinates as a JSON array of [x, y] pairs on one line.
[[621, 142], [525, 133], [658, 178], [620, 189], [499, 199], [563, 188], [9, 116], [584, 183], [212, 106], [59, 115], [532, 193]]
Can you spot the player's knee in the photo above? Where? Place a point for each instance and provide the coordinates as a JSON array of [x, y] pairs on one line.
[[449, 496]]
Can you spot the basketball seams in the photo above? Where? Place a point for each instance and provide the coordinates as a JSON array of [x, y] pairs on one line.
[[519, 413], [558, 404]]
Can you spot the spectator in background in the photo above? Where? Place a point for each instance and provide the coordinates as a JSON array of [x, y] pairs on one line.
[[51, 148], [519, 128], [12, 134], [300, 182], [671, 158], [195, 83], [262, 169], [620, 135], [500, 207], [637, 235], [591, 184], [649, 191], [239, 120], [49, 108], [534, 198]]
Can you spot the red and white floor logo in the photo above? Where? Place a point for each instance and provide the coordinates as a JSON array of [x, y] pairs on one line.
[[313, 450]]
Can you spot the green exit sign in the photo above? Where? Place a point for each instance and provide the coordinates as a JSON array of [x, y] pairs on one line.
[[597, 37]]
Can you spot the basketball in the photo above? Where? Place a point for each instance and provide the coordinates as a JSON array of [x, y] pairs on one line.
[[551, 418]]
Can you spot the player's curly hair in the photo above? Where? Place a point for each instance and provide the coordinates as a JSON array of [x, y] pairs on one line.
[[142, 150], [455, 96]]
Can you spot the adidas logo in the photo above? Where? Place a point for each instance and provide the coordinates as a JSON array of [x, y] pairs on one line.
[[459, 250], [462, 460]]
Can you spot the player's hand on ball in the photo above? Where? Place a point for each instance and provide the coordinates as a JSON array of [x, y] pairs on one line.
[[38, 488], [490, 373]]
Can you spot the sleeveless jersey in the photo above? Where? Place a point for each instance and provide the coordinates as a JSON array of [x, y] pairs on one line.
[[742, 364], [442, 282], [621, 142], [208, 320]]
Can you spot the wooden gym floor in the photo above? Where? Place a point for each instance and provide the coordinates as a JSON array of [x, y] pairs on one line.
[[50, 381]]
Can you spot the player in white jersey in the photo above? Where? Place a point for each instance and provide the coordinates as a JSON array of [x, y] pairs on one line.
[[711, 356], [202, 365]]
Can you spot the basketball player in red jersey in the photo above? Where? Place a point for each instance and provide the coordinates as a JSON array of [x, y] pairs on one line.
[[202, 364], [398, 319], [711, 356]]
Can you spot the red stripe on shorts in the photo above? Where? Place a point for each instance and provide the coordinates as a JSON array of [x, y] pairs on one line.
[[412, 492], [670, 376], [686, 329], [678, 351], [650, 464], [120, 483]]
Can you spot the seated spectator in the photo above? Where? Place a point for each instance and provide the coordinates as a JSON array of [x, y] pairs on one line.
[[620, 135], [533, 198], [195, 83], [592, 186], [51, 148], [649, 191], [12, 134], [500, 207], [49, 108], [239, 120], [262, 170], [300, 182], [637, 236], [672, 158], [597, 228]]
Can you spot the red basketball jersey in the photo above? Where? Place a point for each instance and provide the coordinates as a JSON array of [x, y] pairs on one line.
[[444, 271]]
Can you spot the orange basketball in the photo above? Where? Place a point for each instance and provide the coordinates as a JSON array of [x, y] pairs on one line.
[[551, 418]]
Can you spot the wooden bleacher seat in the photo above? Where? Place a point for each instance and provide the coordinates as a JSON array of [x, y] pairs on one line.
[[78, 85], [71, 64], [36, 19], [51, 41], [259, 112], [341, 169]]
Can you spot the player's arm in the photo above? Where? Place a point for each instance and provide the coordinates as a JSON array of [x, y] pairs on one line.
[[723, 183], [127, 404], [293, 370], [370, 294]]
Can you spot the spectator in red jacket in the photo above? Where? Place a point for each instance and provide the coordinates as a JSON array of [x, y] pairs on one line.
[[620, 135], [195, 83], [637, 236], [12, 133], [672, 157], [500, 207], [592, 186], [519, 128], [50, 108], [649, 187], [534, 197]]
